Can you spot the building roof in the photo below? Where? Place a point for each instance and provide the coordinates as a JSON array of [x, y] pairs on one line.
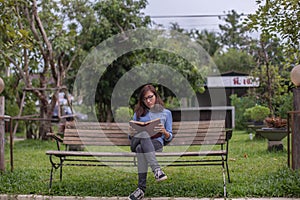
[[234, 73]]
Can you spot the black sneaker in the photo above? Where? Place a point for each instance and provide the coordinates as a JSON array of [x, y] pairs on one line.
[[137, 194], [159, 175]]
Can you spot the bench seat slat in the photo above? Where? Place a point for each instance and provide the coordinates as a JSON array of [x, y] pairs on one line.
[[127, 143], [124, 126], [98, 131], [109, 140], [91, 154], [199, 130], [184, 143], [91, 135], [108, 143], [124, 131], [97, 143], [132, 154], [122, 135]]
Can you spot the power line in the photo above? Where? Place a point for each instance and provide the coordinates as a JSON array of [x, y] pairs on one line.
[[191, 16]]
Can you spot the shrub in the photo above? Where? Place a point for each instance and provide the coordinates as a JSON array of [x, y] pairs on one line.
[[258, 112], [123, 114], [241, 104], [285, 104], [172, 102]]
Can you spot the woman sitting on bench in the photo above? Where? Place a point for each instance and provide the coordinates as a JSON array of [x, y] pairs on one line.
[[150, 106]]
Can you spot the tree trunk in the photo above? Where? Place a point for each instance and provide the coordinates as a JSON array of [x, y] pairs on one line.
[[31, 129], [269, 81], [109, 117], [45, 125], [44, 128]]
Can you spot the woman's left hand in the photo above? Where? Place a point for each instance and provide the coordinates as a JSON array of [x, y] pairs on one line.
[[161, 129]]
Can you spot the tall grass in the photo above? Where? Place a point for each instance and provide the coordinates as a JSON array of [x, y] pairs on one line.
[[255, 172]]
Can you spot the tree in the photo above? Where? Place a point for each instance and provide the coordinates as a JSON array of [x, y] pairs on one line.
[[118, 18], [36, 40], [275, 18], [234, 59], [51, 39], [176, 27], [210, 41], [233, 33], [112, 18], [230, 47], [268, 56], [278, 45], [271, 86]]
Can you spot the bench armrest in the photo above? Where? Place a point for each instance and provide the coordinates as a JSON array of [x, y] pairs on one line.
[[57, 138], [54, 136], [228, 134]]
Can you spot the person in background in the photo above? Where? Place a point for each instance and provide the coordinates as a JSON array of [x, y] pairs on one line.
[[150, 106]]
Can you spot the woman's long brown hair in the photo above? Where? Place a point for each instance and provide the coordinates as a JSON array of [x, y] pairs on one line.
[[141, 109]]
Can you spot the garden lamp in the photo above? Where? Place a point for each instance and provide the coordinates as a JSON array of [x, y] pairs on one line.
[[1, 85], [295, 75]]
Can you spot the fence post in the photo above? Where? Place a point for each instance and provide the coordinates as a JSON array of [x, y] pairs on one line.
[[296, 131], [2, 128]]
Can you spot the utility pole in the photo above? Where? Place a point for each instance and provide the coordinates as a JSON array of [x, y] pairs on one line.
[[2, 128]]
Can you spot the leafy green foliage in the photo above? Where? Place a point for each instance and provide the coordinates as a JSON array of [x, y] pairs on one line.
[[38, 49], [123, 114], [74, 28], [272, 86], [210, 41], [284, 104], [278, 17], [273, 20], [258, 112], [234, 59], [233, 33], [172, 102], [241, 104]]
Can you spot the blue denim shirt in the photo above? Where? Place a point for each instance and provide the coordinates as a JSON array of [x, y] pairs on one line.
[[165, 119]]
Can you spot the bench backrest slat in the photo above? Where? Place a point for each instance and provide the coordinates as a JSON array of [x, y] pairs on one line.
[[109, 134]]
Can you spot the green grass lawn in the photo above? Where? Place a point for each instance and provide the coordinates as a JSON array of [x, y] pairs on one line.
[[255, 172]]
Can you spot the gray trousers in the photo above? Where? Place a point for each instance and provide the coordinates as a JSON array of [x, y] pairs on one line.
[[145, 152]]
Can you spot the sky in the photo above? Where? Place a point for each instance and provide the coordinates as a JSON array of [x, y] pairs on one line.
[[158, 8]]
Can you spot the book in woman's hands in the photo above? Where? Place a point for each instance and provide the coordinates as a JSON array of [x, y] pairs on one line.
[[145, 126]]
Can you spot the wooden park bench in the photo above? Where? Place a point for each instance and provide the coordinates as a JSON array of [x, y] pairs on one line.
[[106, 144]]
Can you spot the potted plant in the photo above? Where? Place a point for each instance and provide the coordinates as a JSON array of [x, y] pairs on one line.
[[275, 131], [257, 114], [276, 122]]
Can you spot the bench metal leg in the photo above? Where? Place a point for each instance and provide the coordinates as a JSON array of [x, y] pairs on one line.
[[51, 177], [227, 169], [60, 173], [55, 166], [224, 177]]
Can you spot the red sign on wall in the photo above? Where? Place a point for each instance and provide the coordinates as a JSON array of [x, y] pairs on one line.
[[232, 81]]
